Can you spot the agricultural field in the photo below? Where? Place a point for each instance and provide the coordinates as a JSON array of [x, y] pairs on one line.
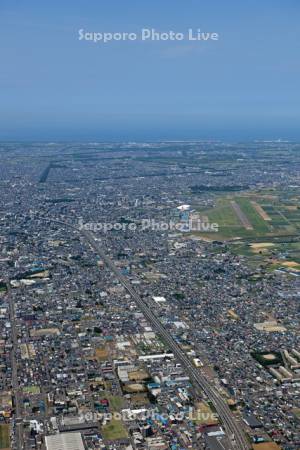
[[264, 226]]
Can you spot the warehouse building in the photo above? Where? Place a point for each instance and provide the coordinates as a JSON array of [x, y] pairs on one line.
[[64, 441]]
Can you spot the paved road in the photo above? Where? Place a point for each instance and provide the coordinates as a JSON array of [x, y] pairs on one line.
[[15, 382], [241, 215], [235, 432]]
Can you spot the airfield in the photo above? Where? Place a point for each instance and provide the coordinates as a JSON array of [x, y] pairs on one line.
[[262, 225]]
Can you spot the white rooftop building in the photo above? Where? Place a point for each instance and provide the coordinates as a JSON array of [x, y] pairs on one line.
[[184, 207], [64, 441]]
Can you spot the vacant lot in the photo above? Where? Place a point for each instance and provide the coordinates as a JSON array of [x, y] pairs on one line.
[[116, 403], [114, 431], [4, 437]]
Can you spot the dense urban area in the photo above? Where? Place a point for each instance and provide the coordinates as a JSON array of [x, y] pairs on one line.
[[149, 296]]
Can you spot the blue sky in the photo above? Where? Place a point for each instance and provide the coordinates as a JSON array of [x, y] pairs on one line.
[[55, 87]]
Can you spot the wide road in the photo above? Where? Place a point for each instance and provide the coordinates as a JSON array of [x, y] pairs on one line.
[[235, 432], [14, 377]]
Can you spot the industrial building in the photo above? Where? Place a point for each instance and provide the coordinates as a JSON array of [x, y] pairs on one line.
[[64, 441]]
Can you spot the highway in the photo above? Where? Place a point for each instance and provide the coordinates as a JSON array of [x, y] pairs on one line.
[[236, 436]]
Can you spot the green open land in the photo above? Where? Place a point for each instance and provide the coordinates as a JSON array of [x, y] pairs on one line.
[[114, 430], [3, 287], [116, 403], [296, 412], [33, 390], [283, 222], [4, 436], [274, 235]]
